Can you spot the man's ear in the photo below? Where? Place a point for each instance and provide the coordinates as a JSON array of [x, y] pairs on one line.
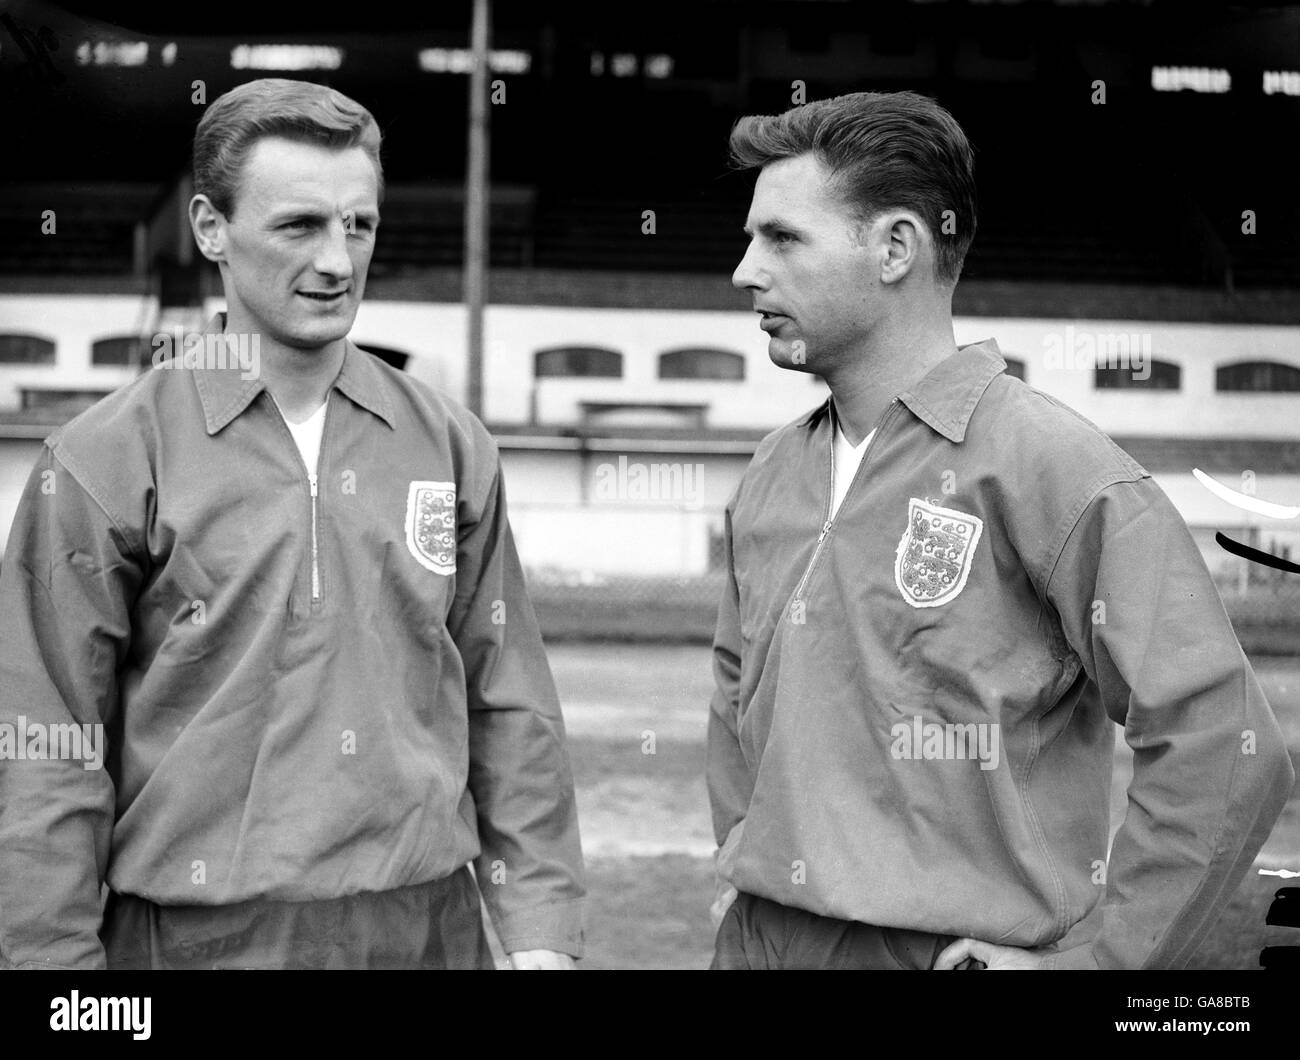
[[903, 240], [209, 227]]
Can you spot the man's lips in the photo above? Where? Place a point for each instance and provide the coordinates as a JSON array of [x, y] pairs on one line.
[[324, 297], [770, 321]]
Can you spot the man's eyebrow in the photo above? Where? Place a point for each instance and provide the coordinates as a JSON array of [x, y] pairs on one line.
[[315, 213], [769, 228]]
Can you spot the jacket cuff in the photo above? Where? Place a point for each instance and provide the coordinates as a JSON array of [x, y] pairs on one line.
[[555, 926], [50, 966], [1076, 949]]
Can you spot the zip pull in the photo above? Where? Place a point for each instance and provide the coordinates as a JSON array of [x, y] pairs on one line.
[[312, 480], [825, 527]]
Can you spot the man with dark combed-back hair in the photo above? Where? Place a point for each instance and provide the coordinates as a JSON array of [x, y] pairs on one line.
[[945, 590], [900, 151], [272, 106], [271, 586]]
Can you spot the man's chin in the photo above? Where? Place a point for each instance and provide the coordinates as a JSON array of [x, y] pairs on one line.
[[789, 355], [312, 335]]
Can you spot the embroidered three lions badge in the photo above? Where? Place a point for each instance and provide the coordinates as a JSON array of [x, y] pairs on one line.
[[934, 554], [431, 525]]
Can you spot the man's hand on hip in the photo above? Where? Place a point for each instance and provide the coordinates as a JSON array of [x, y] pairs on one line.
[[994, 958]]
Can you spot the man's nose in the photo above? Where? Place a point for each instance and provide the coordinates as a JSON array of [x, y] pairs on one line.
[[332, 258], [747, 273]]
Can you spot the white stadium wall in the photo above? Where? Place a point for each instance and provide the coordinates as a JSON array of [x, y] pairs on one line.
[[562, 519], [73, 323], [17, 458], [433, 333], [1195, 410]]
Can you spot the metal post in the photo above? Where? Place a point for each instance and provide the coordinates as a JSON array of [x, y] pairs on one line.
[[476, 206], [140, 250]]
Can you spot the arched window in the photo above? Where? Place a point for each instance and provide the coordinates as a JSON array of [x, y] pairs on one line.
[[585, 361], [1258, 376], [1153, 375], [1015, 368], [25, 349], [389, 356], [129, 350], [702, 362]]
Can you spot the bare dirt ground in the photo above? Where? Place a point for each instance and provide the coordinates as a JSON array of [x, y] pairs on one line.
[[636, 717]]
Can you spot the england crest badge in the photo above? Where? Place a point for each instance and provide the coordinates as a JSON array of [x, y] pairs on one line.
[[935, 552], [431, 525]]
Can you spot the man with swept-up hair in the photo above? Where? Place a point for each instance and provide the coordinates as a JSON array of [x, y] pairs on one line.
[[284, 583], [945, 589]]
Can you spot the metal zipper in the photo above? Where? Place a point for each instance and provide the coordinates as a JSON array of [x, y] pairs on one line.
[[830, 499], [315, 552], [313, 480], [313, 488]]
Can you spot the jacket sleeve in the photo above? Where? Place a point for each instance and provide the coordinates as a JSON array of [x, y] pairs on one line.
[[66, 590], [1210, 767], [729, 782], [530, 870]]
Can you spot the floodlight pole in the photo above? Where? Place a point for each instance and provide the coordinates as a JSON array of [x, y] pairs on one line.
[[476, 205]]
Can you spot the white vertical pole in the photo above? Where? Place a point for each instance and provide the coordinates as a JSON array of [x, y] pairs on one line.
[[476, 205]]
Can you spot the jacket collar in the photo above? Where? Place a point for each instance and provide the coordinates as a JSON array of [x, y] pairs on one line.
[[946, 397], [226, 391]]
